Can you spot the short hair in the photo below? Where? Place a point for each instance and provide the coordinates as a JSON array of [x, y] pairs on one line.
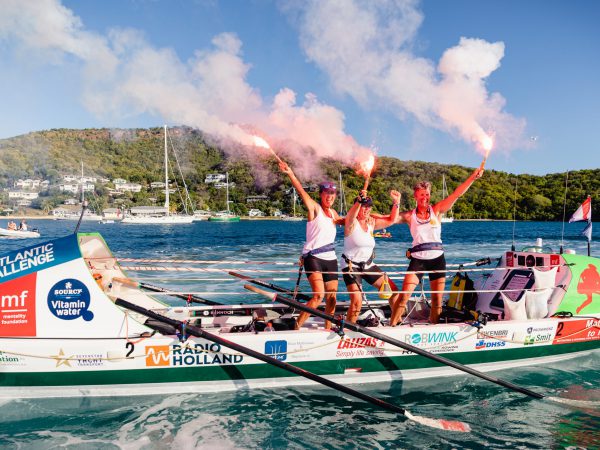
[[422, 185]]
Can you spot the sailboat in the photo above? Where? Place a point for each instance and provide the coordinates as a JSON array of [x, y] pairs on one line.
[[293, 217], [88, 214], [227, 215], [450, 217], [160, 216]]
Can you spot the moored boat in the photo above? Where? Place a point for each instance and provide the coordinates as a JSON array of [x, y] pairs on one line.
[[18, 234], [64, 334]]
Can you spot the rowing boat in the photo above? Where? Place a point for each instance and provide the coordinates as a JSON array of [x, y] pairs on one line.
[[64, 334]]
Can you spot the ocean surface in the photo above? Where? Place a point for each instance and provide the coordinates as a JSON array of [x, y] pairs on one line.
[[299, 418]]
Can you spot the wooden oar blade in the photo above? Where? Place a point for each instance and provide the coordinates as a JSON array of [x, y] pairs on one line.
[[441, 424]]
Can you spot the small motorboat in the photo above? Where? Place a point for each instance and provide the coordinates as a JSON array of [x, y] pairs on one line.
[[19, 234], [382, 234]]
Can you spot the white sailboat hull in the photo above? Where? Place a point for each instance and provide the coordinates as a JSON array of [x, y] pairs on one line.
[[164, 220]]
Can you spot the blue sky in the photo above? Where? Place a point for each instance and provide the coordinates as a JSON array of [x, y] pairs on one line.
[[390, 75]]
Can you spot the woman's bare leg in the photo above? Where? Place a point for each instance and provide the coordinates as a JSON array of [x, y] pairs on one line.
[[355, 303], [411, 281], [436, 299], [318, 292], [331, 288]]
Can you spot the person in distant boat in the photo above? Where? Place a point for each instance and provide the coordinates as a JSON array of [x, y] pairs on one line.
[[427, 252], [11, 226], [318, 255], [23, 225], [359, 250]]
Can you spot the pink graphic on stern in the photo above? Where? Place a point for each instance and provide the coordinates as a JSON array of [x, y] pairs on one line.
[[589, 284]]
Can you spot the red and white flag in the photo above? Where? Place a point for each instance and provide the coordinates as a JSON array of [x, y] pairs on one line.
[[584, 212]]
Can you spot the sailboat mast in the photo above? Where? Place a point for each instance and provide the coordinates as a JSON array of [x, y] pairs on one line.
[[166, 175], [227, 190], [81, 184], [294, 200]]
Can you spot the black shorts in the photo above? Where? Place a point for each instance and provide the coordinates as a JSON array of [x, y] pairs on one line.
[[357, 277], [313, 264], [417, 265]]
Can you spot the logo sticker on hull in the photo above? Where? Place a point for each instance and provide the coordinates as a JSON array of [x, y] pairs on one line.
[[17, 307], [70, 299]]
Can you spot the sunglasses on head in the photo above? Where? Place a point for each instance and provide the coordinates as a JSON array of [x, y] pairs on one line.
[[327, 187]]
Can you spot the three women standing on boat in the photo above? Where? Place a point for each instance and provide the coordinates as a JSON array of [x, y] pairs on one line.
[[427, 252], [318, 255]]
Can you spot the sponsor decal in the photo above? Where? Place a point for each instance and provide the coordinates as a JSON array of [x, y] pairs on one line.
[[577, 331], [425, 339], [70, 299], [537, 338], [17, 306], [61, 359], [88, 360], [24, 260], [7, 359], [360, 342], [482, 343], [177, 355], [276, 349], [38, 257], [359, 346], [157, 355], [489, 334], [532, 330]]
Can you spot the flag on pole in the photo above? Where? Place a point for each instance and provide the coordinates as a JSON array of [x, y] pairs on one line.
[[587, 231], [584, 212]]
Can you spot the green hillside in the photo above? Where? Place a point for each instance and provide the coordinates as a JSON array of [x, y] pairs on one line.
[[137, 156]]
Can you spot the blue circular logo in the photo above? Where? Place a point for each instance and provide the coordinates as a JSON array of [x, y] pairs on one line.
[[69, 299]]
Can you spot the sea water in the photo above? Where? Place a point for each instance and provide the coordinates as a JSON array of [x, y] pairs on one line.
[[314, 417]]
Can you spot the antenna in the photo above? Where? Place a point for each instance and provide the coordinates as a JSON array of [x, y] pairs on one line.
[[562, 236], [512, 247], [84, 205]]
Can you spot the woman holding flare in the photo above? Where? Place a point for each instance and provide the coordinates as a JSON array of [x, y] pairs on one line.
[[427, 251], [359, 250], [318, 255]]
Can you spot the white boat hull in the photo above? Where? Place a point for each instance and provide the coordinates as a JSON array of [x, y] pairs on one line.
[[162, 220], [17, 234], [63, 335]]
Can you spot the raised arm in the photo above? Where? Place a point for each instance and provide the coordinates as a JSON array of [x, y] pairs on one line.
[[392, 217], [352, 214], [447, 203], [310, 204]]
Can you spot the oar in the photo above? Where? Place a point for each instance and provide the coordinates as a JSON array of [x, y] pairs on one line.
[[382, 337], [151, 287], [451, 425], [271, 286]]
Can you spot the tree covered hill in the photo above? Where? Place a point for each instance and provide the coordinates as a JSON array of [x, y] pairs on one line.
[[137, 156]]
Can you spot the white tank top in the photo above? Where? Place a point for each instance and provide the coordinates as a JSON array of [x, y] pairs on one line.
[[423, 231], [319, 232], [359, 245]]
